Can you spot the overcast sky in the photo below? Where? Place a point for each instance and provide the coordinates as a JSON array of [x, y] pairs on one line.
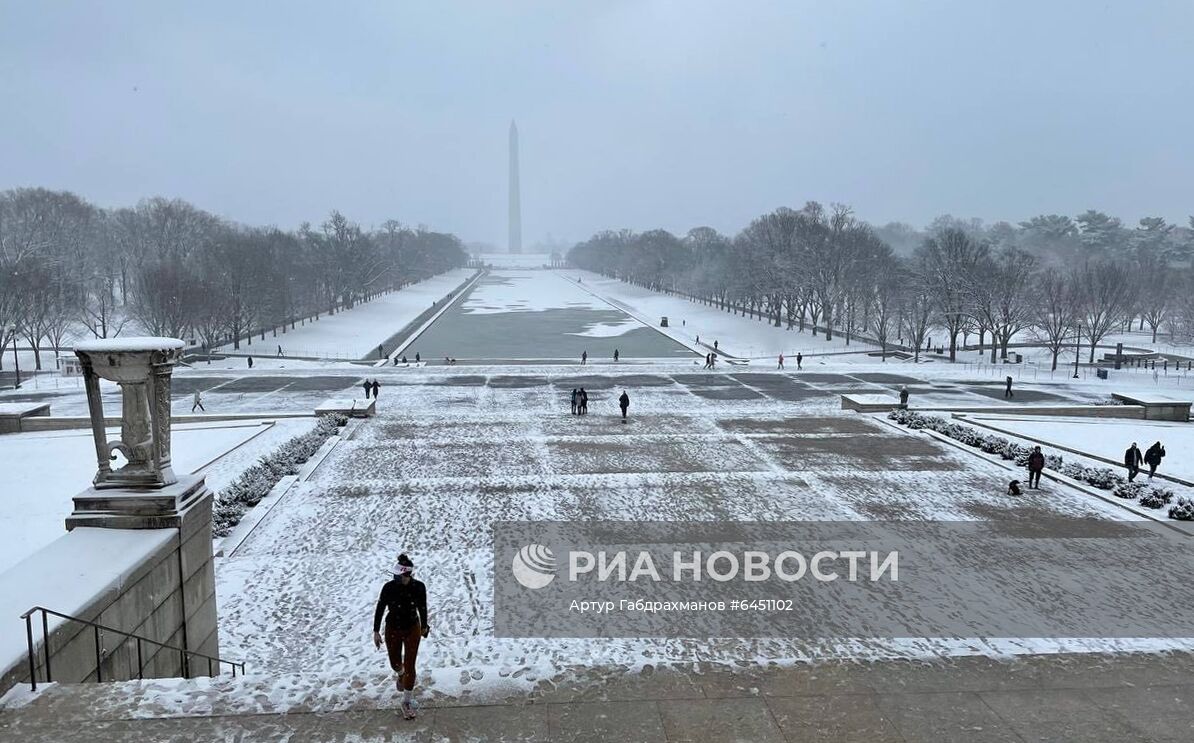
[[632, 114]]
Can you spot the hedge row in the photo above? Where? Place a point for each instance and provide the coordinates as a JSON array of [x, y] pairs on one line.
[[989, 443], [255, 482], [1104, 478]]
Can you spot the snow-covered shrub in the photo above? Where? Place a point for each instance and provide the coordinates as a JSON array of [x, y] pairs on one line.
[[989, 443], [254, 483], [1183, 510], [1101, 477], [1073, 470], [1129, 490], [1156, 497]]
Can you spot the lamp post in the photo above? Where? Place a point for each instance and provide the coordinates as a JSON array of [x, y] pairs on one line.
[[1077, 349], [16, 359]]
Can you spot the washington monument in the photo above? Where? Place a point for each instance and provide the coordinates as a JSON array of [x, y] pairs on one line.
[[515, 207]]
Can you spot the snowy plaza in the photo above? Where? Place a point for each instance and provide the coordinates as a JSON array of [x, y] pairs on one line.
[[455, 449]]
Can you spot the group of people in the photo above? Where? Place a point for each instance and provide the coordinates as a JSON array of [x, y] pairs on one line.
[[371, 387], [1133, 460], [580, 401], [799, 361], [1152, 457], [417, 359]]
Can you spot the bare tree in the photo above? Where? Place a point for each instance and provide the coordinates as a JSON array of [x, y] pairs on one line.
[[1102, 295], [950, 260], [1054, 315]]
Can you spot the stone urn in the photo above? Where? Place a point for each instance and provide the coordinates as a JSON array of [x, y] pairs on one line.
[[142, 368]]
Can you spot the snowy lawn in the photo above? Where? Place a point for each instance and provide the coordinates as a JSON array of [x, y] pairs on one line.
[[356, 333], [43, 471]]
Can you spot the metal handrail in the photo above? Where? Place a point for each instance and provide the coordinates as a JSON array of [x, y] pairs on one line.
[[97, 627]]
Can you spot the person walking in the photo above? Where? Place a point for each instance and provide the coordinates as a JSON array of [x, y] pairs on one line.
[[584, 402], [1007, 391], [376, 387], [799, 360], [616, 355], [368, 388], [1132, 460], [575, 400], [197, 402], [1153, 458], [250, 360], [781, 362], [904, 396], [417, 357], [624, 404], [1036, 463], [280, 354], [715, 345], [403, 602], [584, 357]]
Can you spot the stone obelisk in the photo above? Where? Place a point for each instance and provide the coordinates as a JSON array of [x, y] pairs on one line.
[[515, 245]]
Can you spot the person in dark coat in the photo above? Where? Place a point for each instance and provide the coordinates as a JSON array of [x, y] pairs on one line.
[[624, 404], [376, 387], [417, 357], [1036, 463], [616, 355], [1132, 460], [403, 602], [903, 396], [575, 400], [584, 357], [1007, 391], [799, 360], [1153, 458], [584, 402], [250, 360], [368, 388]]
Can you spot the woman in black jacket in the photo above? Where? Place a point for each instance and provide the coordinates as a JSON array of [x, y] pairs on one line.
[[403, 601]]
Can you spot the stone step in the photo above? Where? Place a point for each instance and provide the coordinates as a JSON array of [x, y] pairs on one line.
[[1134, 696]]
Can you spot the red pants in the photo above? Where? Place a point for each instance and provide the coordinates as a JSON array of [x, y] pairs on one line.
[[402, 645]]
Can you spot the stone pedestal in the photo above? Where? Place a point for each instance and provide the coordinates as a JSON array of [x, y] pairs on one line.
[[175, 602]]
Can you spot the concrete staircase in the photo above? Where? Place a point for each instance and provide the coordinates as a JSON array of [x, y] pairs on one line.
[[1089, 697]]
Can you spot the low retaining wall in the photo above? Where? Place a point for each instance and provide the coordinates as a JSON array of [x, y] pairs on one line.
[[64, 423], [158, 583], [864, 404], [15, 417]]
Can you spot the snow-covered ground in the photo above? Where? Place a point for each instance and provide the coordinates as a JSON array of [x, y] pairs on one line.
[[453, 451], [43, 471], [356, 333], [689, 320]]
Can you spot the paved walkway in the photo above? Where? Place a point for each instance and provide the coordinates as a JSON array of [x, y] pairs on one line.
[[1089, 698]]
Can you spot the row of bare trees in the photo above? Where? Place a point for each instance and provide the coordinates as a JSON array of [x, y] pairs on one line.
[[823, 269], [69, 269]]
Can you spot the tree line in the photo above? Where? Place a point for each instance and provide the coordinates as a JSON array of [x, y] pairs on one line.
[[1052, 281], [166, 267]]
